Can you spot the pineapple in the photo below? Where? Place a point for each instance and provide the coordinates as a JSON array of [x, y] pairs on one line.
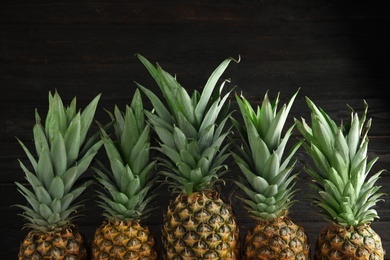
[[64, 153], [198, 224], [267, 182], [128, 188], [345, 192]]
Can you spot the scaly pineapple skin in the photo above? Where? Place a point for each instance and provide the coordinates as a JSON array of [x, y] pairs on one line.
[[338, 242], [68, 244], [200, 226], [123, 241], [277, 239]]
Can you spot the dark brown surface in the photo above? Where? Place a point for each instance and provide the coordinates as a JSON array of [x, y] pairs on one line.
[[336, 53]]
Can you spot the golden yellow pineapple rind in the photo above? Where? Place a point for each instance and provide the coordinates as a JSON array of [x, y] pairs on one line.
[[280, 238], [68, 242], [338, 242], [123, 240], [200, 226]]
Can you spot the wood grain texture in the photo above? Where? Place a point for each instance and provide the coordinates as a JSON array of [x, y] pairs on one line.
[[336, 53]]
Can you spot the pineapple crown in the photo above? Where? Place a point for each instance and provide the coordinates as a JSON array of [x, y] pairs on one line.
[[64, 152], [267, 179], [128, 184], [191, 129], [346, 191]]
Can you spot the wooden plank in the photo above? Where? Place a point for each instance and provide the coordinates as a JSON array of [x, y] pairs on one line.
[[298, 40], [153, 12], [136, 11], [336, 78]]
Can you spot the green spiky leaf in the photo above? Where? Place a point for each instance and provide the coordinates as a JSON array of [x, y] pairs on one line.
[[340, 157]]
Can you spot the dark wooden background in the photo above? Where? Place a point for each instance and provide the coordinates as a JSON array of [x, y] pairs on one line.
[[337, 53]]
